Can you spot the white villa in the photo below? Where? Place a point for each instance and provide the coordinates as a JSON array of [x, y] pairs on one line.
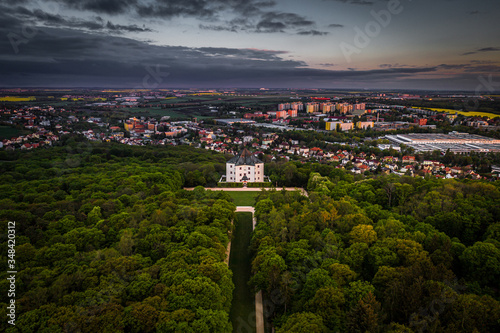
[[244, 167]]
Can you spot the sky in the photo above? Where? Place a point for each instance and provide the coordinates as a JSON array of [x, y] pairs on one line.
[[341, 44]]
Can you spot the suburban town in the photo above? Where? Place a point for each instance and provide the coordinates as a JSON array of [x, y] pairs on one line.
[[413, 135]]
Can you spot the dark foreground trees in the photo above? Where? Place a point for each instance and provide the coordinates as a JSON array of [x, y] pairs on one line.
[[107, 241], [380, 255]]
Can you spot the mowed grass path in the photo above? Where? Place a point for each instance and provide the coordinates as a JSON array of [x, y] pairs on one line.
[[244, 198], [240, 261]]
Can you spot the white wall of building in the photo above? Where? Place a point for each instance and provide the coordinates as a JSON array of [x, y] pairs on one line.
[[234, 174]]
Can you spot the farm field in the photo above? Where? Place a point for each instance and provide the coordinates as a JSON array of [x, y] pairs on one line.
[[16, 99], [468, 114], [159, 112]]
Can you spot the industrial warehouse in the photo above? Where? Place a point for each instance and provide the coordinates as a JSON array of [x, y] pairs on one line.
[[454, 141]]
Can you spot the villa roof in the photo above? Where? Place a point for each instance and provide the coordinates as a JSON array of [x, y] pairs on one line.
[[245, 157]]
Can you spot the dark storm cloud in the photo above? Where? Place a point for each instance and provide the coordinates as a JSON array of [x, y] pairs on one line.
[[72, 56], [270, 26], [173, 8], [39, 17], [247, 15], [235, 25], [486, 69], [217, 27], [242, 53], [128, 28], [473, 66], [169, 8], [68, 51], [278, 22], [15, 2], [288, 19], [484, 49], [270, 22], [251, 16], [479, 67], [244, 8], [356, 2], [111, 7], [482, 62], [489, 49], [312, 33], [8, 21], [482, 66], [457, 66], [56, 57]]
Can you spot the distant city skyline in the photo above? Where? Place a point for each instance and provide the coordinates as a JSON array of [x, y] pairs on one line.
[[358, 44]]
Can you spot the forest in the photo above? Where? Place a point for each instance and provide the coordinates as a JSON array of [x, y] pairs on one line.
[[390, 254], [107, 241]]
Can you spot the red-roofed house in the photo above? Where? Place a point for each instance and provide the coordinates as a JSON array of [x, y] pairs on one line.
[[408, 159]]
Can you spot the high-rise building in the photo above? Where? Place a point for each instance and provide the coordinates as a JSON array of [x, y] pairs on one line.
[[281, 114], [312, 107], [284, 106], [298, 106], [344, 108], [327, 107]]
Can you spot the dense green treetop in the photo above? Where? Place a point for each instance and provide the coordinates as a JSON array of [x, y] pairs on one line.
[[396, 254], [107, 241]]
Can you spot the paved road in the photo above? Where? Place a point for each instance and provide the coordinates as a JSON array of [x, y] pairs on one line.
[[228, 250], [259, 313], [242, 209]]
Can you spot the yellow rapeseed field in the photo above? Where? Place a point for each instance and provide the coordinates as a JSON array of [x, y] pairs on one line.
[[465, 113], [17, 99], [205, 94]]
